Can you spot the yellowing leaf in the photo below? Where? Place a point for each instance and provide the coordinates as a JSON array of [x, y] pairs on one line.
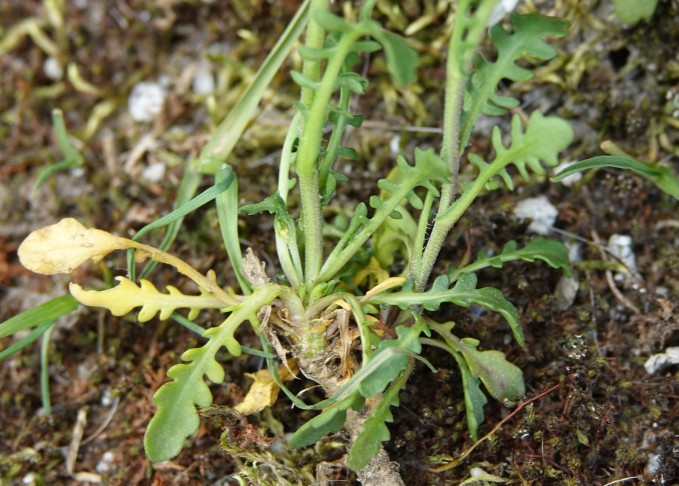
[[387, 284], [63, 247], [127, 295], [264, 391], [372, 269]]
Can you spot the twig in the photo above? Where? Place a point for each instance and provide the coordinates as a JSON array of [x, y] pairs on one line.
[[74, 447], [621, 480], [456, 462], [611, 283], [105, 423]]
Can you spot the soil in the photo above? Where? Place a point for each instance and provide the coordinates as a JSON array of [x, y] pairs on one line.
[[599, 417]]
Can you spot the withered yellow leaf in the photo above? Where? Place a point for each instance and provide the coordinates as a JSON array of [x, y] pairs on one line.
[[264, 391], [63, 247]]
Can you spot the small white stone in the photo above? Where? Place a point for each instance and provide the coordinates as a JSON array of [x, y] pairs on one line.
[[107, 398], [538, 209], [395, 145], [145, 101], [154, 172], [653, 465], [566, 290], [620, 247], [574, 252], [53, 69], [658, 361], [203, 81], [105, 464], [571, 179]]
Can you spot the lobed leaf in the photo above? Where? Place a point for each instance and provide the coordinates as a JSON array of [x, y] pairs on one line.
[[464, 294], [554, 253], [526, 40], [428, 168], [122, 299], [542, 140], [375, 430], [502, 379], [408, 342], [177, 417]]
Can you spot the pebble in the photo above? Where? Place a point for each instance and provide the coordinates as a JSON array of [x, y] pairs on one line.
[[620, 246], [146, 100], [659, 361], [540, 211]]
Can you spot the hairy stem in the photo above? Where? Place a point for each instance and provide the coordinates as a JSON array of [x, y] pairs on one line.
[[314, 38], [307, 159], [445, 222], [464, 41]]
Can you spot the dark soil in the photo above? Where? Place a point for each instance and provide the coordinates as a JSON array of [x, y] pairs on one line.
[[605, 420]]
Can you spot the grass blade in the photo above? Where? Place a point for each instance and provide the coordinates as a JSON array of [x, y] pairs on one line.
[[46, 312], [222, 142]]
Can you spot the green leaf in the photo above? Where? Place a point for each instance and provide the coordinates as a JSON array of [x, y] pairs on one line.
[[542, 141], [502, 379], [303, 81], [408, 341], [45, 312], [354, 82], [227, 215], [26, 340], [331, 420], [314, 54], [632, 11], [174, 218], [177, 417], [331, 22], [661, 176], [401, 58], [464, 294], [229, 131], [526, 40], [474, 398], [375, 431], [554, 253], [72, 158]]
